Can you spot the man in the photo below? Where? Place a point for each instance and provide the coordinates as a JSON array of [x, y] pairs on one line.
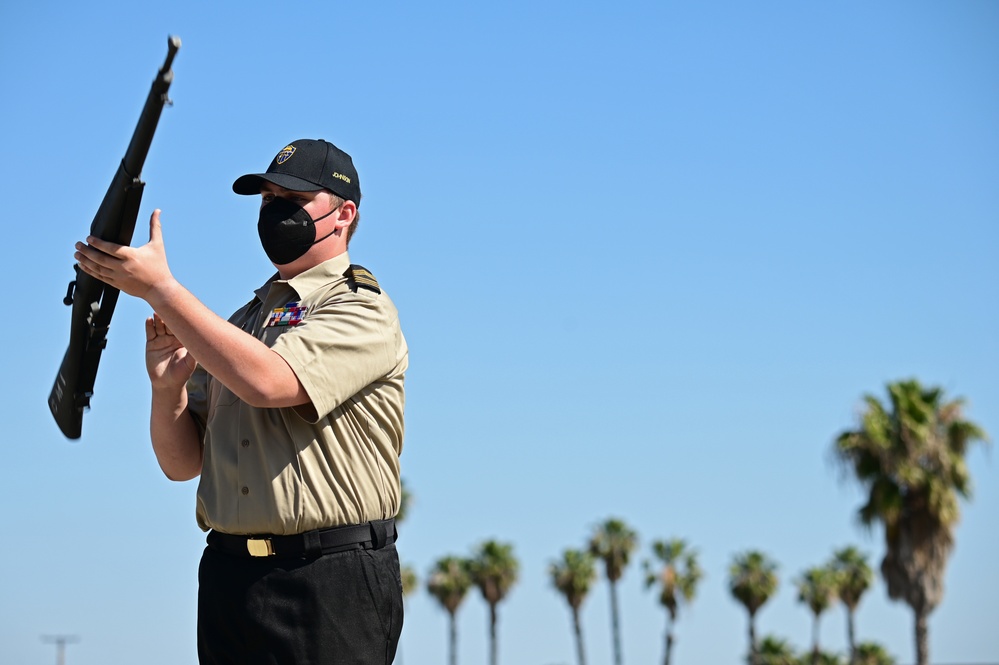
[[292, 414]]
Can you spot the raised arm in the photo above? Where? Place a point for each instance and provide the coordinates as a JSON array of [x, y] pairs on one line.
[[244, 364]]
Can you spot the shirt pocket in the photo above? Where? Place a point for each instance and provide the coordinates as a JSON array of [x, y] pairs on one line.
[[269, 334]]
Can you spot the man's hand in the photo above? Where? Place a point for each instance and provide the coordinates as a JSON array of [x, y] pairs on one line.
[[134, 270], [175, 437], [167, 360]]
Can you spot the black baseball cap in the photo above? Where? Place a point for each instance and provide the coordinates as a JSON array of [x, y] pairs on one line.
[[307, 165]]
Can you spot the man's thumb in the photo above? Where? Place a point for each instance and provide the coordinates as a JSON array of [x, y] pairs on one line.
[[155, 229]]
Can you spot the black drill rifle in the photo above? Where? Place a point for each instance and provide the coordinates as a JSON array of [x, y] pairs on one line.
[[94, 301]]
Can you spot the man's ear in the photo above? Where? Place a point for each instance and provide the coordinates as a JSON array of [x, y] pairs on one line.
[[348, 210]]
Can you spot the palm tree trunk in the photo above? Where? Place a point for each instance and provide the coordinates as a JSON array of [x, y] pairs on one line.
[[615, 625], [850, 636], [578, 630], [922, 638], [453, 639], [669, 641], [493, 656], [815, 640], [752, 640]]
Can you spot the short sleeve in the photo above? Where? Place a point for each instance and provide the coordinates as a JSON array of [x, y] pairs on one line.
[[345, 343]]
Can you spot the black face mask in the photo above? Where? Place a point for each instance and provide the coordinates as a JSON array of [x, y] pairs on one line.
[[287, 231]]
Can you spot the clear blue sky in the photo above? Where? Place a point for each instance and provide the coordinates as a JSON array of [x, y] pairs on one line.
[[649, 257]]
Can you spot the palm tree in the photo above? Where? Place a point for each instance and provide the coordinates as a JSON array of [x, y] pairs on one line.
[[613, 542], [677, 580], [853, 578], [494, 570], [817, 589], [909, 456], [409, 582], [775, 651], [752, 581], [409, 579], [573, 576], [824, 658], [448, 582], [405, 501], [872, 653]]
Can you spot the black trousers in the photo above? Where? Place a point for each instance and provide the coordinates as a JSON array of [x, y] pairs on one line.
[[343, 608]]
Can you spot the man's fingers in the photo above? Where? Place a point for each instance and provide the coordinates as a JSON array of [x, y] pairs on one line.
[[103, 246], [92, 253], [161, 328], [155, 327], [92, 268], [112, 251]]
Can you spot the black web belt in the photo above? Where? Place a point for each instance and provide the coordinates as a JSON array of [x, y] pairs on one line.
[[369, 536]]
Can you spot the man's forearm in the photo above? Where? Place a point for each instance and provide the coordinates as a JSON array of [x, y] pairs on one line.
[[175, 437], [244, 364]]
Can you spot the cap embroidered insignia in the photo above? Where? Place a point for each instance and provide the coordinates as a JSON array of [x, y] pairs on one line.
[[285, 154]]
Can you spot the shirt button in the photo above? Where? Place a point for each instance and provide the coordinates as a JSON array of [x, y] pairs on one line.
[[245, 491], [245, 443]]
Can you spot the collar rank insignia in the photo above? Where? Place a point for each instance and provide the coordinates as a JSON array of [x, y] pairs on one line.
[[362, 278], [289, 315]]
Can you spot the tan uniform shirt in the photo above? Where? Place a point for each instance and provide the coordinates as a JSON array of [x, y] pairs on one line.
[[332, 462]]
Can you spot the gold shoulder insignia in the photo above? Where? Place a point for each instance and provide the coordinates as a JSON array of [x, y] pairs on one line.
[[360, 276]]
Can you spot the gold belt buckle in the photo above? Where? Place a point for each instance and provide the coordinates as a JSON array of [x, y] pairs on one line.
[[259, 546]]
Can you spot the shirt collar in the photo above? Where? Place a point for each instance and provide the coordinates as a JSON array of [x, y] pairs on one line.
[[309, 280]]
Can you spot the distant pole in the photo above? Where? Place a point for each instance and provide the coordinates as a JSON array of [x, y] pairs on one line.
[[60, 641]]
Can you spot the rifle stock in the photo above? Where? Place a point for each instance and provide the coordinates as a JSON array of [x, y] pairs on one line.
[[94, 301]]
